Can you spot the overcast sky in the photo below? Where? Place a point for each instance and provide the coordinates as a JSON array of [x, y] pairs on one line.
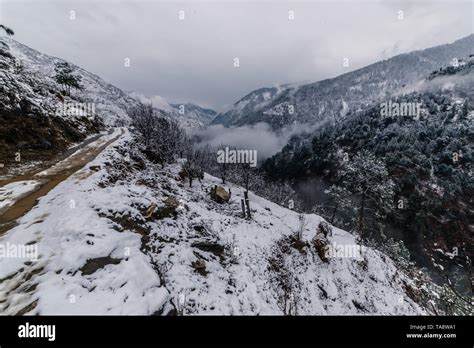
[[193, 59]]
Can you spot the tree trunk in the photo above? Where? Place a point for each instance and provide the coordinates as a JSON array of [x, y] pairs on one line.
[[246, 195], [223, 173], [361, 217], [333, 214], [247, 182]]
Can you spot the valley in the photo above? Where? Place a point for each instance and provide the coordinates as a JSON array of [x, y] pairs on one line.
[[135, 208]]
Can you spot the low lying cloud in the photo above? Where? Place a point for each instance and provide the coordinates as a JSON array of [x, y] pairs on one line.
[[260, 137]]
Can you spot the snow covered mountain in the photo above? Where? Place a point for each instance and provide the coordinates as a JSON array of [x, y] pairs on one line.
[[188, 115], [40, 120], [36, 120], [110, 102], [331, 99], [126, 234], [193, 115], [109, 254]]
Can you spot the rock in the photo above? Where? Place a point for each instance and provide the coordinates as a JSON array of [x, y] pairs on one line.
[[220, 195], [210, 247], [325, 229], [321, 245], [169, 210], [171, 202], [200, 266], [199, 228], [94, 168], [151, 209], [93, 265]]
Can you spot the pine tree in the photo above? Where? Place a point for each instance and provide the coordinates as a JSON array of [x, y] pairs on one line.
[[7, 30], [465, 110], [366, 178], [338, 200], [65, 77]]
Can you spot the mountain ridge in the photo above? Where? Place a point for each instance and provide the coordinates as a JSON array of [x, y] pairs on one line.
[[330, 99]]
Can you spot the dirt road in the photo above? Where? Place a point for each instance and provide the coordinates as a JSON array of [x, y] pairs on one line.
[[64, 165]]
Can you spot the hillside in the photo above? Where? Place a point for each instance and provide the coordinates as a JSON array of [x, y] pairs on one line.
[[330, 100], [194, 116], [110, 102], [125, 221], [428, 157], [31, 128], [38, 120], [107, 254]]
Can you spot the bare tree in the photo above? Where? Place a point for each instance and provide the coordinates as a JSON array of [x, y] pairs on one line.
[[163, 138], [195, 162], [224, 167], [144, 121]]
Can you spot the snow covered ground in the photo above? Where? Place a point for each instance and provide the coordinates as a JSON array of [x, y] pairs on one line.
[[80, 154], [100, 254], [15, 191]]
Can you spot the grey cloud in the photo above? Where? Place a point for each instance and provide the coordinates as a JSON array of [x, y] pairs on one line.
[[258, 137], [192, 60]]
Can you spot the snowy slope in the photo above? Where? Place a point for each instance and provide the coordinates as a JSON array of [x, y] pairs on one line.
[[68, 232], [111, 103], [14, 191], [100, 254]]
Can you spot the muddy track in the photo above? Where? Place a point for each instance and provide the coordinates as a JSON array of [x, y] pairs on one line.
[[49, 163], [65, 165]]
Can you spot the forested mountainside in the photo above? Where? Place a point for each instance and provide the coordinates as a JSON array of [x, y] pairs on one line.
[[332, 99], [422, 161]]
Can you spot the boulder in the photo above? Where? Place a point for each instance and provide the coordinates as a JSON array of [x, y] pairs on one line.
[[169, 210], [171, 202], [151, 209], [321, 245], [200, 266], [220, 195]]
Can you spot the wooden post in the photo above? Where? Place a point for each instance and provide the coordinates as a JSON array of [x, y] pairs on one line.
[[246, 195], [213, 192], [243, 207]]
